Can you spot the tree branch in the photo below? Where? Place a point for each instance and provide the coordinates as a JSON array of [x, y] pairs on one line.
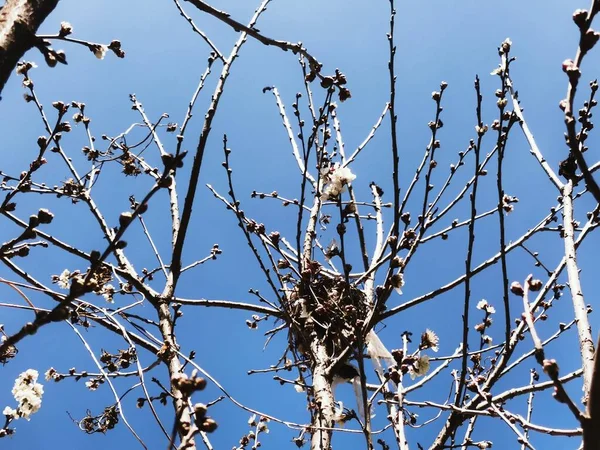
[[19, 21]]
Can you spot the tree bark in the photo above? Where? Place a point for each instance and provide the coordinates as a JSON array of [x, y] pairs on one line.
[[184, 420], [19, 21], [584, 329], [323, 418], [591, 426]]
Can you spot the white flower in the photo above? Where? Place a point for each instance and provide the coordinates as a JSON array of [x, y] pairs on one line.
[[64, 279], [342, 175], [25, 379], [420, 367], [65, 28], [50, 373], [28, 393], [397, 282], [99, 51], [9, 412], [108, 292], [337, 178], [331, 192], [24, 66], [429, 340], [486, 339], [485, 306]]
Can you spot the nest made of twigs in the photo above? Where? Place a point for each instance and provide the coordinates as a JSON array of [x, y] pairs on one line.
[[327, 309]]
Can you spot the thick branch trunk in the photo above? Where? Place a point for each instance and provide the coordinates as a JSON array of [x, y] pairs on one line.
[[180, 402], [323, 418], [454, 421], [584, 329], [19, 21], [591, 428]]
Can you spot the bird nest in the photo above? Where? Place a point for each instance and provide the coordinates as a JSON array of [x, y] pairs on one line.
[[329, 310]]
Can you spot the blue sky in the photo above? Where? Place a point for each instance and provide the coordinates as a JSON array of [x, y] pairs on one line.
[[436, 41]]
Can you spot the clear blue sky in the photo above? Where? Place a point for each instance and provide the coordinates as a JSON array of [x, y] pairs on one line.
[[436, 41]]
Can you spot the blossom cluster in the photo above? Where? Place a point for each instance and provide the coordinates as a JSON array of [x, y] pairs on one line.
[[420, 367], [484, 306], [336, 178], [28, 393]]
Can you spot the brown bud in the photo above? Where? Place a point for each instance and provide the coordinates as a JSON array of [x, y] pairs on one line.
[[326, 82], [580, 17], [589, 39], [45, 216], [551, 368], [344, 94], [535, 285], [120, 245], [571, 69], [199, 383], [200, 409], [125, 218], [395, 376], [209, 425], [34, 221], [517, 289]]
